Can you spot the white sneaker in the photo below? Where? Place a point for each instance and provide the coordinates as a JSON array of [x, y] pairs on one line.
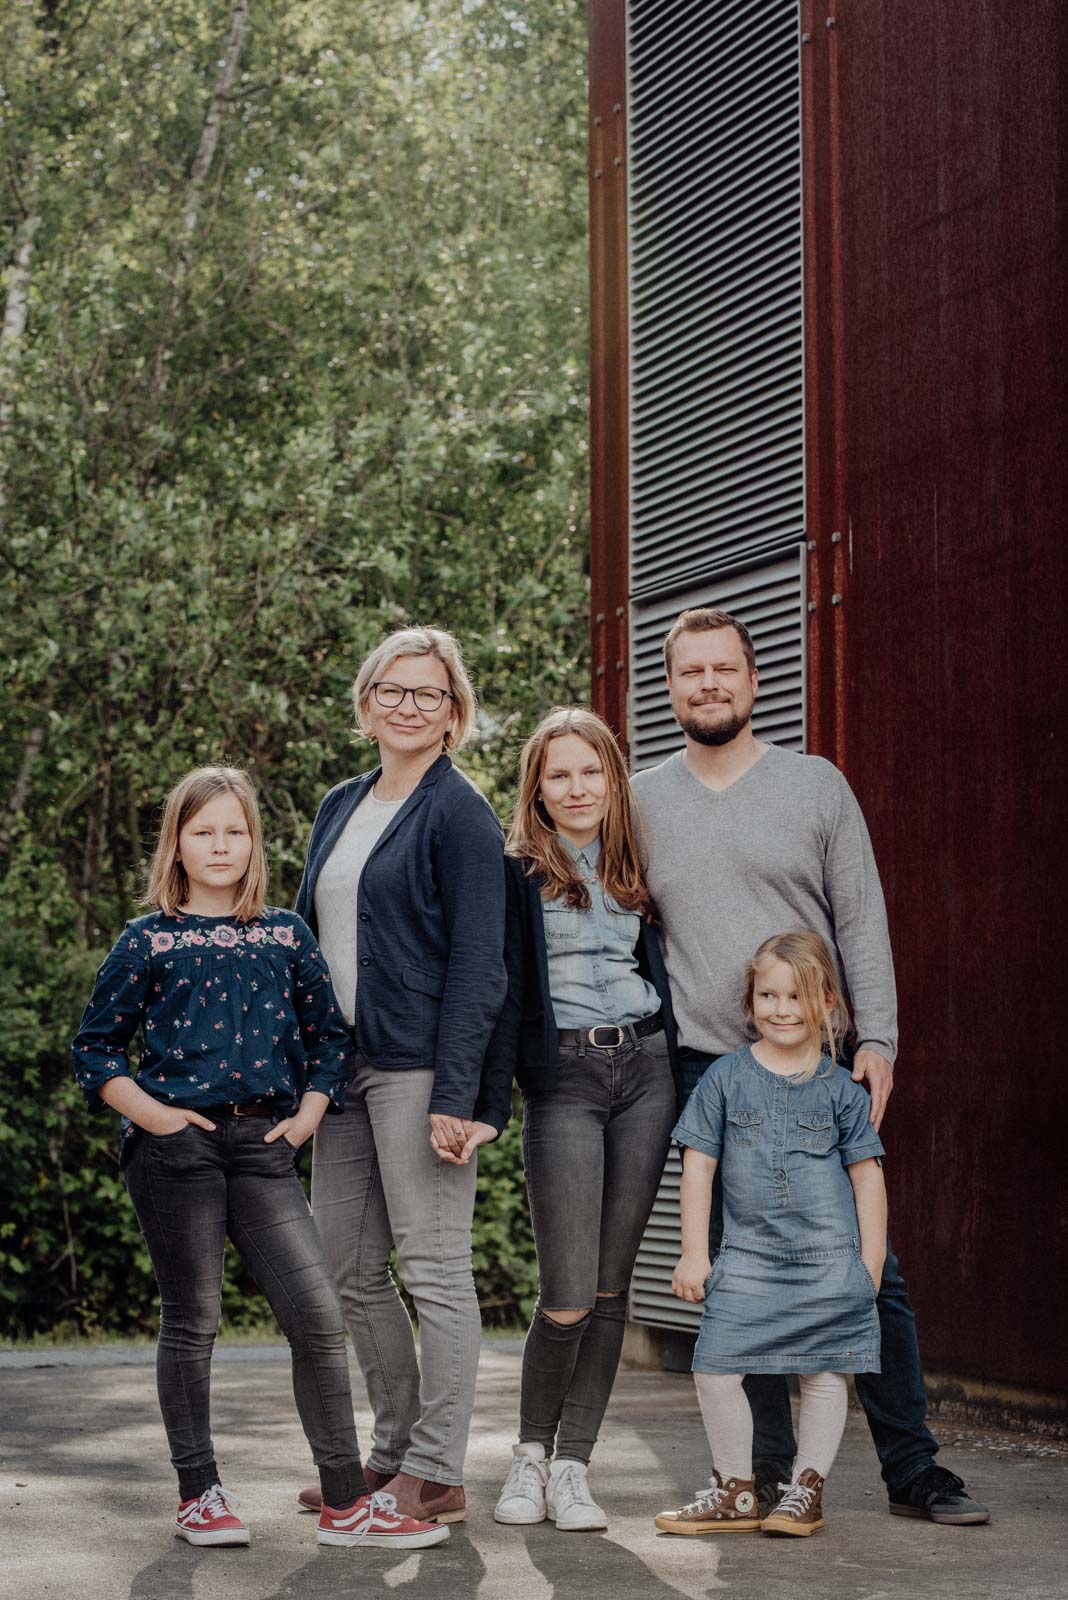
[[523, 1496], [568, 1501]]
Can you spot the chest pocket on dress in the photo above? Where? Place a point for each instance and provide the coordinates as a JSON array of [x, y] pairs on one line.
[[744, 1126], [815, 1129]]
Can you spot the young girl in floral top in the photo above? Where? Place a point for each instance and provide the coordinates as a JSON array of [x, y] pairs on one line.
[[244, 1051]]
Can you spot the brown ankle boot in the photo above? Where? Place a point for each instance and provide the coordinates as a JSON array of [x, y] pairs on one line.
[[427, 1501], [800, 1511], [311, 1499], [728, 1505]]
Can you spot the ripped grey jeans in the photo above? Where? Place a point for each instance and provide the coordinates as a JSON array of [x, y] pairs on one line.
[[594, 1150], [376, 1184]]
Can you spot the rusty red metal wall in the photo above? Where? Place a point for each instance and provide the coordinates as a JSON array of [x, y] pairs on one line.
[[608, 361], [937, 364], [936, 371]]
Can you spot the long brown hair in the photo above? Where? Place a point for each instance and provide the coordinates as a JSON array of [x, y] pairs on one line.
[[532, 834], [168, 886], [819, 988]]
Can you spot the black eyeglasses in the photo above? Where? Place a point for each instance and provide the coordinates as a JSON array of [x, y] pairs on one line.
[[425, 698]]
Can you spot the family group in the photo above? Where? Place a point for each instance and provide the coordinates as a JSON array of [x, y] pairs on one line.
[[652, 959]]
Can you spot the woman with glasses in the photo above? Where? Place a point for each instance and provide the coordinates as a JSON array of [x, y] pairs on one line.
[[587, 1030], [404, 887]]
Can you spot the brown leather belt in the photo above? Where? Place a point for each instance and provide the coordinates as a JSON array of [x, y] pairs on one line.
[[612, 1035]]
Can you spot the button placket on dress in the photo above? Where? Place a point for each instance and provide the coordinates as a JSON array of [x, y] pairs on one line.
[[780, 1108]]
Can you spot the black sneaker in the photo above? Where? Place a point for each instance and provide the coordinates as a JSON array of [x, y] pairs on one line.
[[938, 1495], [769, 1492]]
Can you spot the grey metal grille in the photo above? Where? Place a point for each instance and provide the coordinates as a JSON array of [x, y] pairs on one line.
[[717, 469], [717, 390]]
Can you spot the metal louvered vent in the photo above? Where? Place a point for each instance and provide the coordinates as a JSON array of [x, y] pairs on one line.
[[716, 391], [770, 601], [716, 415]]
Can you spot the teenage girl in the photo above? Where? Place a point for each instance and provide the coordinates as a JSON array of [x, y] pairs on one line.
[[587, 1030], [244, 1050], [804, 1235]]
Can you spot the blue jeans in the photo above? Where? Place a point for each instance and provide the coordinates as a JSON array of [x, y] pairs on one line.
[[894, 1400]]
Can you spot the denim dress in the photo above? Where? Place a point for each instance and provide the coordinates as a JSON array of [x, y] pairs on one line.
[[788, 1291]]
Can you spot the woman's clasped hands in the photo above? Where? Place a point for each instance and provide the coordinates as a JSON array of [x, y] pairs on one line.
[[455, 1139]]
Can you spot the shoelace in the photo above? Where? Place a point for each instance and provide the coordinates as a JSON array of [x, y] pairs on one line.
[[797, 1497], [708, 1500], [379, 1501], [522, 1470], [571, 1489], [934, 1481], [217, 1502]]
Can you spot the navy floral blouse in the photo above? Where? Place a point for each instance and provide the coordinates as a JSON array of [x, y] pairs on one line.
[[230, 1011]]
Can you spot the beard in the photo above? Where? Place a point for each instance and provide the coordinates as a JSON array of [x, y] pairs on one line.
[[717, 733]]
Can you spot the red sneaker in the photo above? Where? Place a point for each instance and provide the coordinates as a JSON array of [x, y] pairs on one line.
[[373, 1519], [210, 1519]]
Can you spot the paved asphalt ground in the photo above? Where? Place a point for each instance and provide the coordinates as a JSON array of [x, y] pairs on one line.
[[87, 1500]]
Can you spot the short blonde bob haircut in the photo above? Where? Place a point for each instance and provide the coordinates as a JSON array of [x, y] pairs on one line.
[[421, 642], [819, 989], [532, 834], [168, 886]]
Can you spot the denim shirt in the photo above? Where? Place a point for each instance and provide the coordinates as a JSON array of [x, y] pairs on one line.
[[784, 1145], [593, 962]]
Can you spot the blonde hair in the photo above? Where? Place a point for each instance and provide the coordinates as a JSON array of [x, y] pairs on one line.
[[532, 834], [168, 885], [819, 988], [443, 647]]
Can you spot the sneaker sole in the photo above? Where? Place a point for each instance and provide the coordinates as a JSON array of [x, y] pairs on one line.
[[692, 1529], [519, 1522], [386, 1541], [221, 1536], [592, 1526], [949, 1519], [791, 1530]]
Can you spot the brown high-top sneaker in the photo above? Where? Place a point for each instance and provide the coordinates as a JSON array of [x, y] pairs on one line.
[[311, 1499], [427, 1501], [728, 1505], [800, 1511]]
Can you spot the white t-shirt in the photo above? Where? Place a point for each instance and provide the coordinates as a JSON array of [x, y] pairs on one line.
[[337, 891]]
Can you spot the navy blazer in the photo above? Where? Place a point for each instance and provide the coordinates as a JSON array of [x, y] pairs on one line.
[[525, 1043], [430, 930]]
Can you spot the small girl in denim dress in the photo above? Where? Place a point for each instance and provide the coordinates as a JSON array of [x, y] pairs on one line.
[[244, 1051], [794, 1284]]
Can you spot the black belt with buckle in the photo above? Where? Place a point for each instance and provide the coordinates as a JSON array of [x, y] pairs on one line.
[[612, 1035], [250, 1108]]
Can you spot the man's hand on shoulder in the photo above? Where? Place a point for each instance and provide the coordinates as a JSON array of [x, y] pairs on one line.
[[869, 1066]]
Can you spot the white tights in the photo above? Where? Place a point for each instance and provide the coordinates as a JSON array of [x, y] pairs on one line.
[[729, 1421]]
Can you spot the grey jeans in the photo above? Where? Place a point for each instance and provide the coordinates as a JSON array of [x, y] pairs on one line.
[[376, 1185]]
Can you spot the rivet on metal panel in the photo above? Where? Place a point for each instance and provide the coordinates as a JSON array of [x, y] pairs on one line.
[[619, 611], [599, 673], [836, 599], [597, 122], [598, 173], [836, 538], [617, 108], [812, 605], [617, 161], [832, 22], [599, 617], [619, 666], [811, 545], [806, 38]]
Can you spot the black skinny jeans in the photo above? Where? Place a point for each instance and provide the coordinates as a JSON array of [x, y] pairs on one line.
[[189, 1190], [594, 1149]]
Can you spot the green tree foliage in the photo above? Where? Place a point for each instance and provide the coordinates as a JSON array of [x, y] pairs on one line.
[[294, 353]]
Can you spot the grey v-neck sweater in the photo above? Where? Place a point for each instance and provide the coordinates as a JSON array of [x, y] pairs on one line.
[[784, 847]]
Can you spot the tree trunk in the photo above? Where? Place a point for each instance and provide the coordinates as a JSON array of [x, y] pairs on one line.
[[209, 134]]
